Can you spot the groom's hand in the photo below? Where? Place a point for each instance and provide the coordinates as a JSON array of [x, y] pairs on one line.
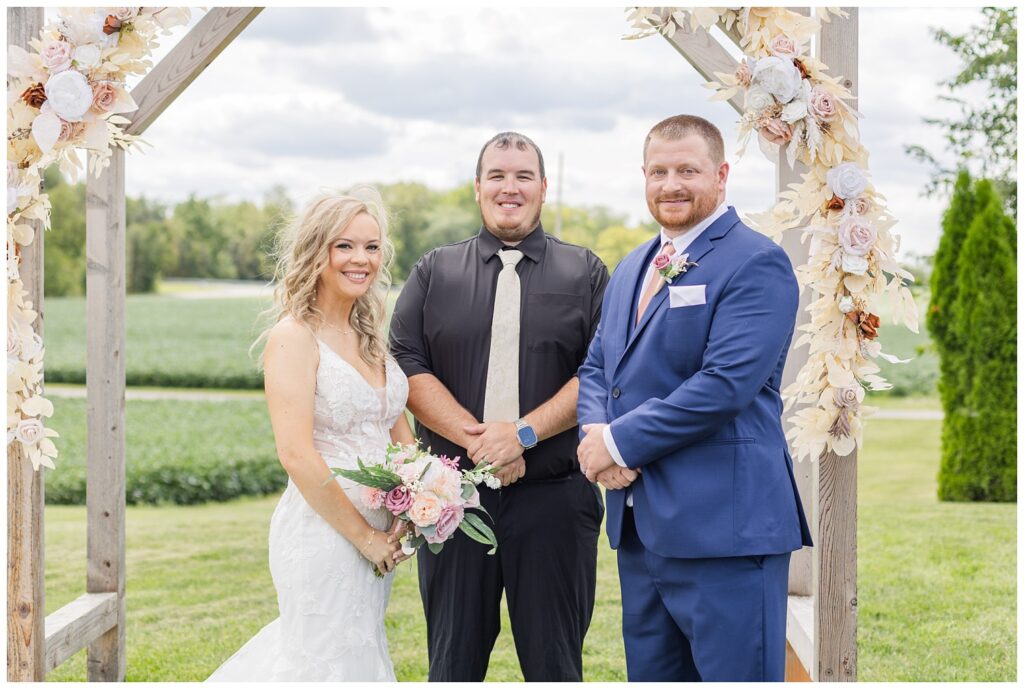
[[495, 443], [510, 473], [592, 453], [617, 478]]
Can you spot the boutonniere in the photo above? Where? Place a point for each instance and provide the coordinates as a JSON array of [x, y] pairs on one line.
[[669, 267]]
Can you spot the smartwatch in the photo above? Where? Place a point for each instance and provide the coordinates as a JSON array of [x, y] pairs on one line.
[[526, 435]]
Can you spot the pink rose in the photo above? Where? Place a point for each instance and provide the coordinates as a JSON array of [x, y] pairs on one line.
[[822, 104], [777, 131], [126, 14], [857, 237], [69, 131], [447, 523], [372, 497], [426, 508], [104, 95], [56, 56], [784, 46], [398, 500], [662, 261], [861, 205]]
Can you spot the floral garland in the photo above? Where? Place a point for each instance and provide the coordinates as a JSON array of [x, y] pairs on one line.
[[67, 93], [790, 99]]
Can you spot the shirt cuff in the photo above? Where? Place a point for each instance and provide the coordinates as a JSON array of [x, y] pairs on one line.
[[609, 442]]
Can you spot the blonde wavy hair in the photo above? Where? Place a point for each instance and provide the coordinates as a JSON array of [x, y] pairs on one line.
[[302, 253]]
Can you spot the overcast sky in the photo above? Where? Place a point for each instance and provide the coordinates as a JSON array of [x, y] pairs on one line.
[[308, 98]]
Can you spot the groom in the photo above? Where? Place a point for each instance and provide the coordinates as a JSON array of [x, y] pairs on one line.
[[680, 410]]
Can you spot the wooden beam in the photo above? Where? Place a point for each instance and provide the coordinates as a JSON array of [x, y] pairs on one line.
[[185, 62], [706, 55], [77, 625], [835, 603], [105, 440], [25, 489]]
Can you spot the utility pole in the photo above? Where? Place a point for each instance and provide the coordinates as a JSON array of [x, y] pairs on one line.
[[558, 196]]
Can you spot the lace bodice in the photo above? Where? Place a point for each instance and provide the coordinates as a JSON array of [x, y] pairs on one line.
[[351, 418]]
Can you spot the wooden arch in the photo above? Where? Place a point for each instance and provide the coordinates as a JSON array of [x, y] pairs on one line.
[[822, 624]]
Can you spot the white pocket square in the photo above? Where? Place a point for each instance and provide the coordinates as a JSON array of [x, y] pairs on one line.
[[686, 295]]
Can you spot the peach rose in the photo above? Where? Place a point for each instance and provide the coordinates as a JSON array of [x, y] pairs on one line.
[[822, 104], [784, 46], [104, 95], [56, 56], [426, 508]]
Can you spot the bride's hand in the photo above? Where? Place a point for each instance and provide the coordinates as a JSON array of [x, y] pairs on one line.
[[379, 549], [399, 528]]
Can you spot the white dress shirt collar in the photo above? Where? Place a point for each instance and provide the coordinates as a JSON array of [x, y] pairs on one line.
[[681, 242]]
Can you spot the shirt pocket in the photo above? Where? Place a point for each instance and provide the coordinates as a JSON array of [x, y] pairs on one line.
[[555, 323]]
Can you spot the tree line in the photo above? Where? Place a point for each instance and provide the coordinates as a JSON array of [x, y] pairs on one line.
[[216, 239]]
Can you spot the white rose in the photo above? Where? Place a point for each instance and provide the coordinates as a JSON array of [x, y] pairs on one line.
[[794, 111], [846, 181], [125, 14], [29, 431], [13, 343], [758, 99], [779, 76], [87, 56], [69, 94], [83, 25], [846, 304], [855, 265]]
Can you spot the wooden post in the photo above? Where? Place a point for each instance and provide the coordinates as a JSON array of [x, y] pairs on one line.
[[105, 489], [25, 602], [835, 601]]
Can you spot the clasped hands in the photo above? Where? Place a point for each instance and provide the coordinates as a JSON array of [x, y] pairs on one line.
[[497, 444], [597, 463]]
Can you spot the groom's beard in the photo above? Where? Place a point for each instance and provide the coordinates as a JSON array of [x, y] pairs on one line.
[[701, 207]]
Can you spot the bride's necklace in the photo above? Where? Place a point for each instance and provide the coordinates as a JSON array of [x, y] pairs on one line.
[[336, 328]]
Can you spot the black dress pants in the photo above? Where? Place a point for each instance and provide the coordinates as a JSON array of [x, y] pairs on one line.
[[546, 564]]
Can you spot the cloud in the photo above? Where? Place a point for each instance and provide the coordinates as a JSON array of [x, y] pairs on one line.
[[305, 27]]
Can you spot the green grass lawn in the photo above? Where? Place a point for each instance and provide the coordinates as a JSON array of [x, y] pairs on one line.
[[937, 589]]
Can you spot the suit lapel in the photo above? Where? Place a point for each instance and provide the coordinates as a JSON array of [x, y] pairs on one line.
[[700, 247]]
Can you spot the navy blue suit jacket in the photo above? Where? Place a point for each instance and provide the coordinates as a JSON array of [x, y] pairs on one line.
[[692, 396]]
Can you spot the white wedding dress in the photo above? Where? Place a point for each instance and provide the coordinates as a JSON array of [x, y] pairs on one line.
[[331, 626]]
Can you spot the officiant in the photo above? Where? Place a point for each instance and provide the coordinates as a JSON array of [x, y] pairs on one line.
[[490, 332]]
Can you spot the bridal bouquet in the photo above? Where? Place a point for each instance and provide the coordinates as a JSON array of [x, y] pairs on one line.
[[427, 491]]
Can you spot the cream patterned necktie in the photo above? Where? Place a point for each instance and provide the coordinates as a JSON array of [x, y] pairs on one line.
[[501, 398], [652, 287]]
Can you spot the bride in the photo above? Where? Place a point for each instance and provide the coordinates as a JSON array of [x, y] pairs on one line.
[[334, 394]]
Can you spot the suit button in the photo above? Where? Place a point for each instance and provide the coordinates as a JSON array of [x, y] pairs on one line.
[[615, 393]]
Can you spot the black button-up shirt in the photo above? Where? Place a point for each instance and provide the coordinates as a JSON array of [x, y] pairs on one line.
[[442, 325]]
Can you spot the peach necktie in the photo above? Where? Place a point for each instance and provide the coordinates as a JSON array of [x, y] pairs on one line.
[[655, 282]]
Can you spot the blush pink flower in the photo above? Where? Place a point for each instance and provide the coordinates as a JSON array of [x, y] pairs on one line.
[[447, 523], [372, 497], [56, 56], [473, 500], [104, 95], [661, 261], [398, 500], [822, 104], [784, 46], [777, 131], [426, 508], [450, 462], [857, 237]]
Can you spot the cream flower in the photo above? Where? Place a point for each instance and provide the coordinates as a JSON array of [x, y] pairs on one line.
[[757, 99], [847, 181], [29, 431], [779, 76], [855, 265], [69, 94], [88, 56]]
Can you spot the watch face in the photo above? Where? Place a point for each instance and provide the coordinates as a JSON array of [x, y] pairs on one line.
[[527, 437]]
